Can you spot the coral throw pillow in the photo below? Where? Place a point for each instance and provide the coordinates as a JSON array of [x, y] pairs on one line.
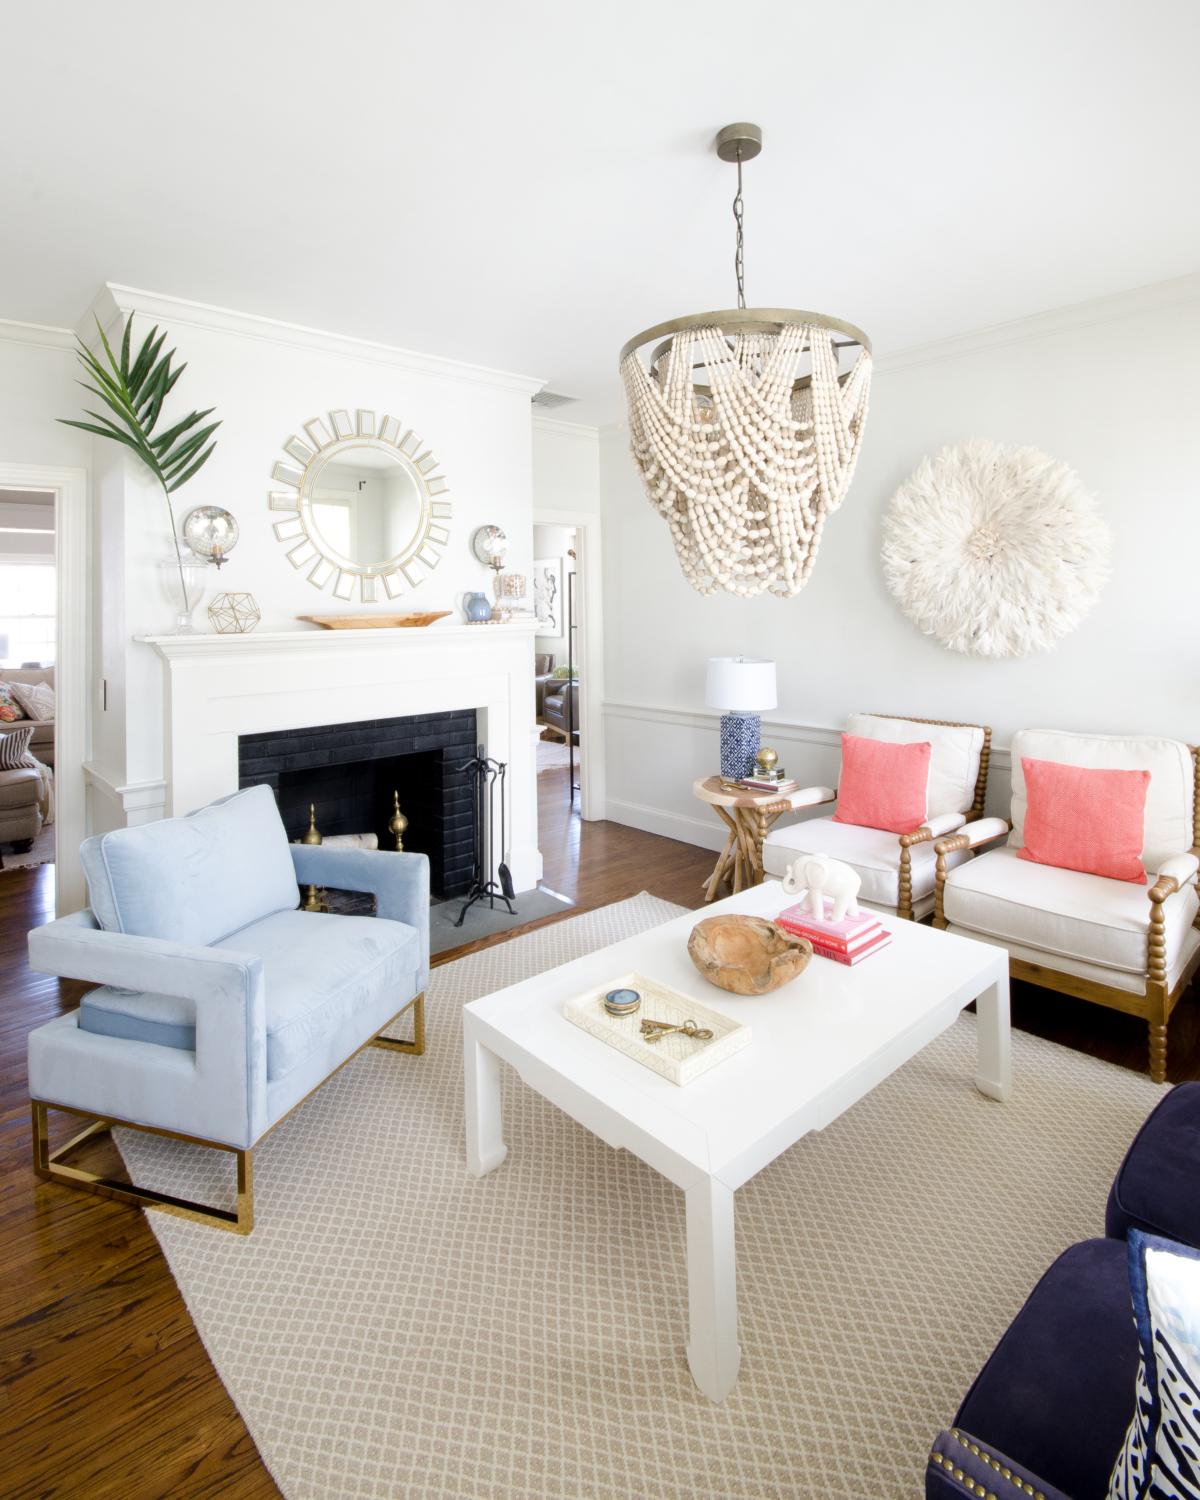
[[1080, 818], [883, 785]]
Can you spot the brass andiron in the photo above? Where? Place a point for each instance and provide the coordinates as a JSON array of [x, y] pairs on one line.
[[397, 823], [311, 899]]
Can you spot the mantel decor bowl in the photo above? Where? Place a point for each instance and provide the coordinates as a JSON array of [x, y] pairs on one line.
[[747, 955], [375, 622]]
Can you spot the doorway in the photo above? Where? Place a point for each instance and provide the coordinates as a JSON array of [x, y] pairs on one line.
[[578, 532], [556, 659], [43, 614], [28, 621]]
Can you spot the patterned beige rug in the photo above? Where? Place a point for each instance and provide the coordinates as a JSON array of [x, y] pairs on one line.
[[394, 1328]]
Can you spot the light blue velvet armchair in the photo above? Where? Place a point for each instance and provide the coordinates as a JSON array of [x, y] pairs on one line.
[[222, 1006]]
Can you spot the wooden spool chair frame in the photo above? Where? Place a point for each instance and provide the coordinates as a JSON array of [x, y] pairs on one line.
[[1156, 1004], [750, 819]]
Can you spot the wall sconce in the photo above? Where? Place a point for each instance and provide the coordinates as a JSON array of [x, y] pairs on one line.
[[211, 533], [489, 545]]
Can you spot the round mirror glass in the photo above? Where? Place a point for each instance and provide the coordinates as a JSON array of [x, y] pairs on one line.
[[366, 507]]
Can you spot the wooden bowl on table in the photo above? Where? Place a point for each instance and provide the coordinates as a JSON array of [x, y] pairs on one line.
[[747, 955]]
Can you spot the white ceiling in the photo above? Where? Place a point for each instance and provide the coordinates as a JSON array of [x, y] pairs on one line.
[[526, 185]]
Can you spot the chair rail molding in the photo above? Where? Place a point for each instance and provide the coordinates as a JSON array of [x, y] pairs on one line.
[[72, 728], [701, 727], [141, 801]]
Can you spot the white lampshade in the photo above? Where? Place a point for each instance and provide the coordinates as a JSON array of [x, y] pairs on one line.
[[3, 648], [740, 684]]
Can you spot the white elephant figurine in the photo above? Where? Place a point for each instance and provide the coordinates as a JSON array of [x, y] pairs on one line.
[[817, 876]]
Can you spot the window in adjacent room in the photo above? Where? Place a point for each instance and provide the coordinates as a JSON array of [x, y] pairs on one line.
[[27, 578]]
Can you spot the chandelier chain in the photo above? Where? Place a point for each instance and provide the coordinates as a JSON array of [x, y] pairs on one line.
[[738, 264]]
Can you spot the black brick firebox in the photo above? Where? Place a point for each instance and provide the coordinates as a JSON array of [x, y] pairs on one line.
[[349, 771]]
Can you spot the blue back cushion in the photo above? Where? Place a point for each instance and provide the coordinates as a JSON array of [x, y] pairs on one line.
[[194, 879]]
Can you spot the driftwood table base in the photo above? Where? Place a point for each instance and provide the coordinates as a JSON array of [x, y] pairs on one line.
[[749, 819]]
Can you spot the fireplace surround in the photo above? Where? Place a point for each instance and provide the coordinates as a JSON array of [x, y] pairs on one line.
[[271, 686]]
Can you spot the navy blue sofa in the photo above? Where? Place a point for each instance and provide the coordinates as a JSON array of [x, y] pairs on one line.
[[1048, 1413]]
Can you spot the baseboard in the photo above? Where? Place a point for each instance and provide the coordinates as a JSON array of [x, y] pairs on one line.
[[703, 833]]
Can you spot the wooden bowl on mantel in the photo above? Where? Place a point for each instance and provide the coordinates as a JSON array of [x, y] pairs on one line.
[[747, 955], [374, 622]]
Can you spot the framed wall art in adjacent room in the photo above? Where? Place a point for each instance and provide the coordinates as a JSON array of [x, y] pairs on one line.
[[548, 595]]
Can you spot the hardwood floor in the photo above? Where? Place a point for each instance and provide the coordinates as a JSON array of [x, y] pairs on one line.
[[105, 1387]]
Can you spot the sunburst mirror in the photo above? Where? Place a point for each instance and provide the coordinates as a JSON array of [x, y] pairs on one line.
[[365, 505]]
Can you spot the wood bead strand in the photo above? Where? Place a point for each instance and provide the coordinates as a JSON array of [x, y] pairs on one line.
[[746, 476]]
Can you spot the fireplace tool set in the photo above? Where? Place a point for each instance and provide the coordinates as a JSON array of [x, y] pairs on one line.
[[484, 774]]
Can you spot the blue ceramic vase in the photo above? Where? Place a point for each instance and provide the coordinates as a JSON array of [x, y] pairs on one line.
[[477, 608]]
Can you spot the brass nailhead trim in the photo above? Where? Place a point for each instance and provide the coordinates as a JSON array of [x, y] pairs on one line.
[[1008, 1474]]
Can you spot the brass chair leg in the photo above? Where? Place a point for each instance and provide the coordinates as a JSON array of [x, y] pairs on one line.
[[50, 1167], [416, 1047]]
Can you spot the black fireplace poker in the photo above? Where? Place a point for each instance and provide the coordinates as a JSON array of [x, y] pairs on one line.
[[484, 774]]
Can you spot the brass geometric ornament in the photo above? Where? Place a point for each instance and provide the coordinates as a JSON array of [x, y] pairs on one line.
[[233, 614], [365, 505]]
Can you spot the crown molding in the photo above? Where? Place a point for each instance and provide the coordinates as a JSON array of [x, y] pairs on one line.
[[1056, 321], [38, 335], [115, 302], [571, 429]]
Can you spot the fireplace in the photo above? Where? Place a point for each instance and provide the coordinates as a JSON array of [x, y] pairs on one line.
[[349, 773], [266, 694]]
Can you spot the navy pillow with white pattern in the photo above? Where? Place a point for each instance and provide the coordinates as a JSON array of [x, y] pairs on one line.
[[1161, 1456]]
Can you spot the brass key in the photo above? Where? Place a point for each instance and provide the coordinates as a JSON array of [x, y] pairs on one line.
[[653, 1031]]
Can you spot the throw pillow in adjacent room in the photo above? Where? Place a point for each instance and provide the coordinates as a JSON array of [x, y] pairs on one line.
[[36, 698], [10, 709]]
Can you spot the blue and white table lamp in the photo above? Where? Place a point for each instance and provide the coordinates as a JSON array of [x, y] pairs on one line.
[[741, 686]]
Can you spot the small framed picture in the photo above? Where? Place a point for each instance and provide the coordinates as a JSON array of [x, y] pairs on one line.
[[548, 596]]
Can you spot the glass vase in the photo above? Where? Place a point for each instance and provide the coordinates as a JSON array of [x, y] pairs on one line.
[[183, 578]]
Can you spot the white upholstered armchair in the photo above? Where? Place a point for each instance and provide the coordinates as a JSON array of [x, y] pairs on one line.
[[898, 870], [1128, 944]]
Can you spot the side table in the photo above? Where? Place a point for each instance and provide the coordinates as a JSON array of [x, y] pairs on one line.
[[748, 816]]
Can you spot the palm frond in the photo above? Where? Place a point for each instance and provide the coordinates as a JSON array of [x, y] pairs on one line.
[[135, 393]]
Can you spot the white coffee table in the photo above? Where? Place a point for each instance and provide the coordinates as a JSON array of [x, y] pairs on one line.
[[819, 1044]]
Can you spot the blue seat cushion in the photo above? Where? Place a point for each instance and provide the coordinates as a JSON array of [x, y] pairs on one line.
[[319, 972], [1057, 1394], [1157, 1186], [140, 1017]]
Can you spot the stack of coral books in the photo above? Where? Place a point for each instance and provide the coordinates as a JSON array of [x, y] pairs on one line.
[[846, 942]]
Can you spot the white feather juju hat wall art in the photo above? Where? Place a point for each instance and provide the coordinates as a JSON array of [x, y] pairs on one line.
[[995, 550]]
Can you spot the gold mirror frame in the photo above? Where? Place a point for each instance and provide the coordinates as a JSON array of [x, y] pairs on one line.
[[325, 441]]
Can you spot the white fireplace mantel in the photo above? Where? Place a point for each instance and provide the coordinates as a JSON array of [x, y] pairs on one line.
[[217, 687]]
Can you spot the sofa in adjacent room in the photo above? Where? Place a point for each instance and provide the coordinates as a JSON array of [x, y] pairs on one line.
[[543, 667], [42, 742], [559, 709]]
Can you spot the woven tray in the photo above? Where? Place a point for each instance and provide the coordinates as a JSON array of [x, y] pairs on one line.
[[675, 1057]]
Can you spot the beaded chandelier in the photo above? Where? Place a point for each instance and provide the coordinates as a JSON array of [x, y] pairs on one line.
[[745, 462]]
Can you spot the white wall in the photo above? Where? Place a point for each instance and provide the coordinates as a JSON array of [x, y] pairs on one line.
[[566, 465], [1112, 388], [265, 380]]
